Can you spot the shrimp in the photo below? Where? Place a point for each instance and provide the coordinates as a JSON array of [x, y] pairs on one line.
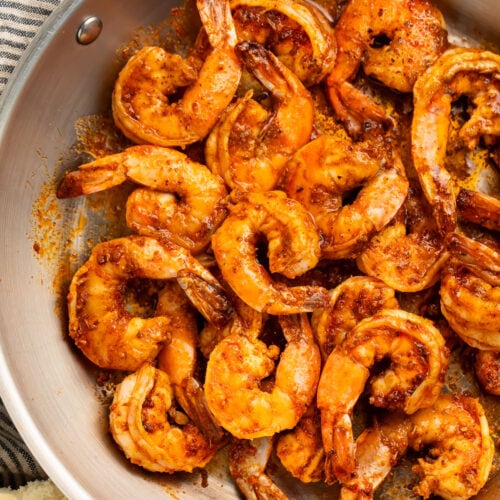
[[456, 433], [297, 31], [409, 253], [182, 201], [470, 292], [487, 369], [178, 358], [395, 41], [480, 208], [323, 172], [238, 365], [419, 359], [99, 322], [247, 465], [354, 299], [140, 104], [250, 146], [458, 72], [140, 424], [300, 450], [293, 248]]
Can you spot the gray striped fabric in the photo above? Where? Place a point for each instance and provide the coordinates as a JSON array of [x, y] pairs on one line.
[[19, 22]]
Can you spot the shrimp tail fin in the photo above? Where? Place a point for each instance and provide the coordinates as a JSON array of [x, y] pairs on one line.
[[191, 397], [92, 177], [218, 22], [208, 297]]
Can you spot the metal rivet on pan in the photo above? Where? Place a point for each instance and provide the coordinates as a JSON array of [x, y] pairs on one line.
[[89, 30]]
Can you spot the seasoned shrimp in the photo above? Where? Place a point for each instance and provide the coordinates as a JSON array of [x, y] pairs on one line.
[[480, 208], [182, 202], [99, 322], [470, 292], [247, 465], [178, 358], [395, 41], [487, 369], [419, 359], [300, 450], [295, 30], [409, 253], [141, 108], [324, 171], [250, 146], [456, 433], [238, 365], [140, 424], [458, 72], [293, 248], [354, 299]]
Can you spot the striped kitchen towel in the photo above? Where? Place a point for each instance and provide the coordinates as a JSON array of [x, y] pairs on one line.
[[19, 23]]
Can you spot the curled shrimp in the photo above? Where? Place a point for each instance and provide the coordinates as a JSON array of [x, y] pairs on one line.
[[241, 361], [456, 433], [470, 291], [140, 424], [247, 465], [300, 450], [395, 41], [296, 31], [354, 299], [250, 146], [325, 170], [181, 201], [293, 248], [409, 253], [178, 358], [99, 322], [487, 369], [419, 359], [458, 72], [141, 108]]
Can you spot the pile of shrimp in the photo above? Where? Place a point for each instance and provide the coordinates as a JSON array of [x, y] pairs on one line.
[[332, 245]]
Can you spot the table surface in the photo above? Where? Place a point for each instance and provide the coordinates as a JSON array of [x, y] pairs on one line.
[[19, 23]]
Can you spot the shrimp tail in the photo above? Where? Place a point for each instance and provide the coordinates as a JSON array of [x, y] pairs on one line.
[[208, 296], [218, 22], [264, 65], [191, 397], [92, 177]]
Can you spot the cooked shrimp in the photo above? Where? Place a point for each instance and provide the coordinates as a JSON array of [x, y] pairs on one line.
[[141, 107], [183, 201], [296, 31], [354, 299], [458, 72], [178, 358], [238, 365], [247, 465], [456, 433], [293, 248], [300, 450], [323, 172], [409, 253], [395, 41], [250, 146], [140, 424], [99, 322], [419, 359], [480, 208], [487, 369], [470, 292]]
